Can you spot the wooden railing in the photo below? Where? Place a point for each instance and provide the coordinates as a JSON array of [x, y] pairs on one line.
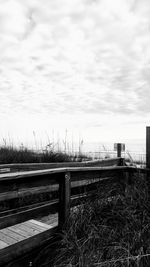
[[16, 183], [14, 167], [13, 184]]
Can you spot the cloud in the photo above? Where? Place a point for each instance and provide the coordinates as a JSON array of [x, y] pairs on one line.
[[74, 57]]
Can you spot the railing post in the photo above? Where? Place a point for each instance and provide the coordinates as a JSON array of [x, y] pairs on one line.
[[119, 150], [148, 147], [64, 199], [121, 162]]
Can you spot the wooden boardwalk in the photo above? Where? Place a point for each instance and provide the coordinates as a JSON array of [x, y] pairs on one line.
[[26, 229], [51, 219], [22, 231], [19, 239]]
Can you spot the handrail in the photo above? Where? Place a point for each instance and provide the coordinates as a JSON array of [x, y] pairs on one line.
[[9, 182], [60, 164], [24, 174], [15, 182], [62, 176], [17, 167]]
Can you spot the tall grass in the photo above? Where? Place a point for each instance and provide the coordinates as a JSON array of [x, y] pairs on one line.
[[108, 231], [25, 155]]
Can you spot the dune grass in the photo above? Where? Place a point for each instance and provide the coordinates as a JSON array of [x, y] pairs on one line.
[[17, 155], [107, 231]]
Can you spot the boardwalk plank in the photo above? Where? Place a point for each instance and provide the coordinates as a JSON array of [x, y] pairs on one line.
[[7, 239], [28, 229], [3, 244], [15, 250], [34, 227], [43, 225], [17, 230], [12, 234]]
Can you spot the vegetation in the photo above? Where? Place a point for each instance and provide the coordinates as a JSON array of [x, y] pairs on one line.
[[25, 155], [134, 162], [110, 229]]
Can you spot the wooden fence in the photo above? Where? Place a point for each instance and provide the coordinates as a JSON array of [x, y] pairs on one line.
[[23, 181], [15, 167]]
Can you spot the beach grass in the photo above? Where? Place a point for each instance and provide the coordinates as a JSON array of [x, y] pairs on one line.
[[12, 154], [107, 231]]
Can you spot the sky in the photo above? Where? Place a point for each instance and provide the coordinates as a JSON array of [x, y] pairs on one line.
[[78, 68]]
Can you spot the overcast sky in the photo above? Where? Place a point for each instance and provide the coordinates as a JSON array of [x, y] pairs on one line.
[[80, 65]]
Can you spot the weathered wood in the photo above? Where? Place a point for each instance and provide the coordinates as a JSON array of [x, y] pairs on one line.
[[3, 244], [20, 248], [7, 239], [30, 228], [40, 179], [121, 162], [19, 231], [39, 190], [97, 173], [3, 170], [118, 150], [33, 227], [26, 180], [64, 199], [100, 169], [22, 184], [21, 216], [41, 166], [148, 147], [52, 173], [33, 191], [43, 225], [29, 174], [24, 208], [9, 232]]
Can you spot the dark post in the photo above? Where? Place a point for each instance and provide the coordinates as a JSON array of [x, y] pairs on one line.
[[148, 147], [119, 150], [121, 162], [64, 199]]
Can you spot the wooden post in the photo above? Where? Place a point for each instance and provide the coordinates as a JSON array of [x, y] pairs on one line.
[[148, 156], [119, 150], [64, 199], [148, 147], [121, 162]]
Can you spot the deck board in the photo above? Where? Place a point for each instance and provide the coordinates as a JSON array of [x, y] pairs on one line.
[[33, 227], [51, 219], [21, 238], [43, 225], [28, 229], [7, 239], [12, 234], [21, 231], [9, 253], [3, 244]]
